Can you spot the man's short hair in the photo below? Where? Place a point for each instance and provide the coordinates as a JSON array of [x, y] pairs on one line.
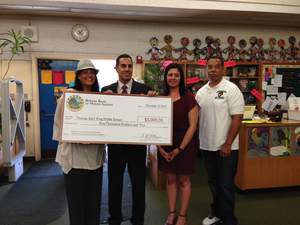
[[216, 57], [121, 57]]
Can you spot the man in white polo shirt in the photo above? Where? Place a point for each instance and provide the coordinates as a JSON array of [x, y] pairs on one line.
[[221, 111]]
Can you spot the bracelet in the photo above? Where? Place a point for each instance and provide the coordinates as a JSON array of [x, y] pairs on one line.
[[180, 149]]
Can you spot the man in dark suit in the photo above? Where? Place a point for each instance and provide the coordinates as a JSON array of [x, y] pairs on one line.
[[119, 155]]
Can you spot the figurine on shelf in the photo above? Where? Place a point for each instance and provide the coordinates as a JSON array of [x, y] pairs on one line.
[[197, 51], [272, 51], [208, 50], [252, 51], [168, 48], [293, 49], [282, 52], [231, 50], [243, 53], [217, 49], [154, 50], [260, 50], [183, 51]]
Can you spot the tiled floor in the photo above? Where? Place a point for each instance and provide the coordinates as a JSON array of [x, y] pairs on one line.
[[271, 207]]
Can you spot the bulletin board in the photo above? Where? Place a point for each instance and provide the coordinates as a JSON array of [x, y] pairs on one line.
[[290, 77], [279, 81], [290, 80]]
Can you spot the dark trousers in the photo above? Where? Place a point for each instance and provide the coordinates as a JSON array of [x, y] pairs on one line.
[[221, 172], [83, 189], [135, 160]]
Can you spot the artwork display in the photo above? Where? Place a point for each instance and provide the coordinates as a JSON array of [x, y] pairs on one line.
[[258, 141], [256, 51], [183, 51], [231, 51], [280, 141], [154, 50], [168, 48]]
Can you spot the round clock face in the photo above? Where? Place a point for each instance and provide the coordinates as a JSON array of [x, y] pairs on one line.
[[80, 32]]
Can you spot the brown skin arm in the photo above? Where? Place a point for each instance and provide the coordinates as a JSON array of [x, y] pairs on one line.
[[193, 121], [232, 133]]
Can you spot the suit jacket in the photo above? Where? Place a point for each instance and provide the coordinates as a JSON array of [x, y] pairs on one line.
[[136, 88]]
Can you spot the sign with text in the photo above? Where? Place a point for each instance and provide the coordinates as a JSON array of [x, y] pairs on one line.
[[117, 119]]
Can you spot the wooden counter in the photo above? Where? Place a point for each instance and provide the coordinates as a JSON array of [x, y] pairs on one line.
[[257, 168]]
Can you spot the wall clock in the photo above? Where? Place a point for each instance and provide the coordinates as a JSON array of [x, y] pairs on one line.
[[80, 32]]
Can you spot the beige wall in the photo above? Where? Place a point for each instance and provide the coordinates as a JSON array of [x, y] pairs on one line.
[[108, 38]]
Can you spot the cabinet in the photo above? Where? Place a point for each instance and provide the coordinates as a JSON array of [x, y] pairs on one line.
[[269, 155], [195, 75]]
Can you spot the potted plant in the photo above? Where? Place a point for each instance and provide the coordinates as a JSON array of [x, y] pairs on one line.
[[16, 42]]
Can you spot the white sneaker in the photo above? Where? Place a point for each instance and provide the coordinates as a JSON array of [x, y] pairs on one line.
[[210, 220]]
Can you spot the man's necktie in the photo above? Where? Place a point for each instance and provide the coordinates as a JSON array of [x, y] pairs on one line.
[[124, 89]]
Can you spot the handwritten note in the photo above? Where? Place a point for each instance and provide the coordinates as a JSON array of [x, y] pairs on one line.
[[278, 80], [272, 90], [282, 98], [264, 85]]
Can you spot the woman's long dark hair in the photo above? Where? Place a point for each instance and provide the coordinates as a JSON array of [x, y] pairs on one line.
[[78, 84], [182, 89]]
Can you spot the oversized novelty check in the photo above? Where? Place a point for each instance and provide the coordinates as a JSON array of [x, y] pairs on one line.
[[103, 118]]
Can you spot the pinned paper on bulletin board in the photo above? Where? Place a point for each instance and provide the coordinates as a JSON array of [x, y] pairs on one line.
[[69, 76], [256, 94], [269, 104], [230, 64], [192, 80], [278, 80], [46, 76], [58, 77], [267, 74], [202, 62]]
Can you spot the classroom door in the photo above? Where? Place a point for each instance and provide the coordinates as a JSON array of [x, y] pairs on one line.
[[53, 76]]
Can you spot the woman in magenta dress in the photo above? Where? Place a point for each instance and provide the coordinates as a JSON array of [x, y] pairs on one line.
[[178, 160]]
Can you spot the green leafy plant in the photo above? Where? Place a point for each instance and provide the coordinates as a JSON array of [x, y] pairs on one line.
[[153, 77], [15, 41]]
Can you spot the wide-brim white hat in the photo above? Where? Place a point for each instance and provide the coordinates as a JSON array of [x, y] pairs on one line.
[[85, 64]]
